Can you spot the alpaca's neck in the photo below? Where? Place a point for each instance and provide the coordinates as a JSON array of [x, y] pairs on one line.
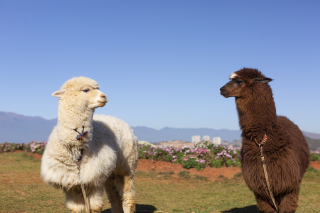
[[71, 117], [257, 115]]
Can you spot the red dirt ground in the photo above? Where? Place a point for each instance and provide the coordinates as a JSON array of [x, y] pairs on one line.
[[35, 155], [315, 164], [19, 151], [160, 166]]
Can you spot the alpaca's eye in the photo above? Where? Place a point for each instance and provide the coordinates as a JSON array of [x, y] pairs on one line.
[[86, 90], [239, 82]]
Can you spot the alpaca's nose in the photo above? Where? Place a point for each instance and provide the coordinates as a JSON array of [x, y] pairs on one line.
[[103, 96], [222, 89]]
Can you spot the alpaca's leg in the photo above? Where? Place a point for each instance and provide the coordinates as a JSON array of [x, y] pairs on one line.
[[95, 197], [289, 202], [125, 186], [264, 206], [113, 195], [74, 200]]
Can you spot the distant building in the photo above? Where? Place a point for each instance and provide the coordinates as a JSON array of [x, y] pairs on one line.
[[216, 140], [237, 144], [206, 138], [225, 143], [195, 139]]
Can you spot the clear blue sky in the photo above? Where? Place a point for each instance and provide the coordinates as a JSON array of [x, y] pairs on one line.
[[161, 62]]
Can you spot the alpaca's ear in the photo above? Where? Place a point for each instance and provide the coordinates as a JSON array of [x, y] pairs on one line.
[[262, 80], [59, 93]]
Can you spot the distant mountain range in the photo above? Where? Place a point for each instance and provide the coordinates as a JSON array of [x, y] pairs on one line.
[[19, 128], [314, 144]]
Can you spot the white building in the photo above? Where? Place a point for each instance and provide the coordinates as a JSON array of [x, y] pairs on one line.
[[206, 138], [225, 143], [216, 140], [195, 139], [237, 143]]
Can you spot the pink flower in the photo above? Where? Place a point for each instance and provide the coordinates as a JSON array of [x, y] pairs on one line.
[[229, 156], [185, 159]]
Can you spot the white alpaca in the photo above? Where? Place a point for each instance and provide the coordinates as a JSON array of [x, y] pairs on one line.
[[107, 152]]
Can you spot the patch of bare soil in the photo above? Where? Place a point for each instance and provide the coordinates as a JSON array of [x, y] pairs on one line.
[[211, 173], [315, 164], [36, 155]]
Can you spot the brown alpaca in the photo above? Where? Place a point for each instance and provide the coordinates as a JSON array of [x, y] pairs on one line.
[[286, 150]]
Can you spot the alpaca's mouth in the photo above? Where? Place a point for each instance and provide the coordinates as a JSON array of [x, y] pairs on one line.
[[104, 102], [224, 94]]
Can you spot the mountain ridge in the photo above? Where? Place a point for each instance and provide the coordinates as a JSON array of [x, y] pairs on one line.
[[19, 128]]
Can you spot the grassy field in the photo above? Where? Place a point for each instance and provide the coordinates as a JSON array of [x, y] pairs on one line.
[[22, 190]]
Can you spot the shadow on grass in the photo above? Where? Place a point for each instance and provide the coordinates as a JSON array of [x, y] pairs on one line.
[[247, 209], [140, 208]]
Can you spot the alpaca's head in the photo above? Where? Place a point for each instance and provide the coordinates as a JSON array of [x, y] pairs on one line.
[[242, 82], [81, 92]]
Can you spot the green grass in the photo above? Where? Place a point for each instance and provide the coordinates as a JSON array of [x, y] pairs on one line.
[[22, 190]]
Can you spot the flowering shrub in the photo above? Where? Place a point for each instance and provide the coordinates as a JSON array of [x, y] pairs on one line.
[[34, 147], [203, 154], [11, 147], [315, 155], [156, 153], [220, 156]]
